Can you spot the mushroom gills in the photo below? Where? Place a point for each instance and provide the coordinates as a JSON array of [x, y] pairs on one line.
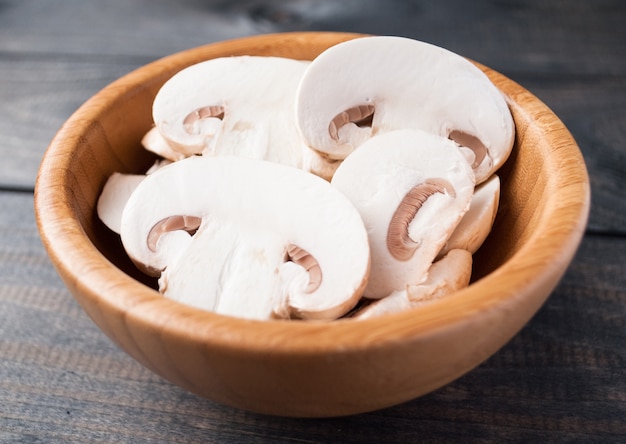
[[474, 144], [194, 120], [399, 242], [361, 116], [303, 258], [172, 223]]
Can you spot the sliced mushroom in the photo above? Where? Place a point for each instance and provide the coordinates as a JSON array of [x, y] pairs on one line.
[[411, 188], [115, 194], [241, 105], [447, 275], [377, 84], [476, 224], [157, 165], [318, 164], [265, 238], [153, 141]]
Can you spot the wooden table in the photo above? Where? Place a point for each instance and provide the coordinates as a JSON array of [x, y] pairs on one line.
[[562, 378]]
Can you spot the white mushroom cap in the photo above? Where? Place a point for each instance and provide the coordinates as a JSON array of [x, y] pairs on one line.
[[411, 188], [319, 247], [113, 198], [366, 86], [233, 106], [449, 274], [476, 224]]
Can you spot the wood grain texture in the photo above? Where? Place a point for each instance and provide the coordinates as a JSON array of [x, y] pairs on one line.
[[559, 380]]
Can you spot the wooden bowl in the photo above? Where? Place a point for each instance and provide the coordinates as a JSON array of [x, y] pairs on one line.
[[294, 368]]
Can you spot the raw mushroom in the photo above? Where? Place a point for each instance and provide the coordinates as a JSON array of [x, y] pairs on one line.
[[153, 141], [476, 224], [262, 238], [113, 198], [322, 166], [411, 188], [117, 191], [447, 275], [372, 85], [241, 105]]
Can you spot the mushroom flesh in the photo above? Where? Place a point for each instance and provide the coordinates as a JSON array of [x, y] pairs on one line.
[[376, 84], [248, 238], [239, 105], [411, 188], [477, 222], [449, 274]]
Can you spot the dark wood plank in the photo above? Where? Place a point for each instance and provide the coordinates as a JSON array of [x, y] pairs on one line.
[[36, 96], [562, 378], [39, 91], [569, 54], [115, 28], [526, 35]]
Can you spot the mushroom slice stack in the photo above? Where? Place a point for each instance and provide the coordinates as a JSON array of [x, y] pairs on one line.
[[411, 188], [477, 222], [233, 106], [248, 238], [449, 274], [367, 86]]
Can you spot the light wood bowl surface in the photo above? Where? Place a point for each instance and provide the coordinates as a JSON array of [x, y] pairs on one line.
[[296, 368]]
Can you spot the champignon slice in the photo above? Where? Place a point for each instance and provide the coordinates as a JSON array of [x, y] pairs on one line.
[[318, 164], [411, 188], [241, 105], [377, 84], [114, 196], [157, 165], [153, 141], [272, 241], [447, 275], [476, 224]]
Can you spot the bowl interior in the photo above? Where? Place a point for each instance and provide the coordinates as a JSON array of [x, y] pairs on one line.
[[111, 142], [105, 137]]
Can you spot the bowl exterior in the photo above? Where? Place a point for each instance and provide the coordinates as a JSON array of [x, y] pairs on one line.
[[307, 369]]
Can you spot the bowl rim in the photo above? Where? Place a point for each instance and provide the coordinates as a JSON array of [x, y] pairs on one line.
[[82, 266]]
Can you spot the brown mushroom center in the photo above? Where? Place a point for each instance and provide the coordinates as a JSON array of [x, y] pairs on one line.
[[303, 258], [172, 223], [399, 243], [360, 115], [206, 112], [472, 142]]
